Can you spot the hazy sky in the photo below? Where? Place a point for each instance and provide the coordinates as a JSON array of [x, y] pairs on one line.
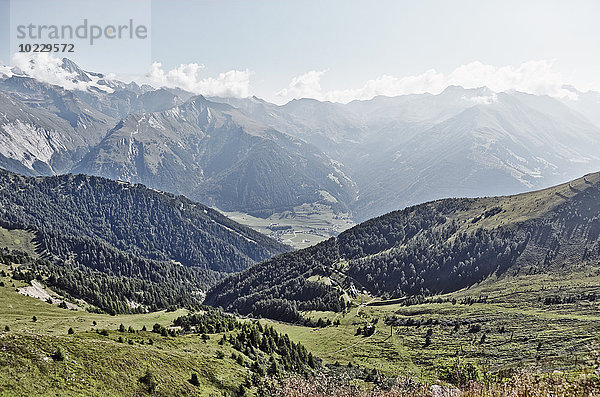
[[340, 49]]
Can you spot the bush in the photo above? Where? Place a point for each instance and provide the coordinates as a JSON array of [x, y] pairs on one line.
[[194, 379], [148, 380], [58, 355], [70, 331], [240, 360], [34, 318], [460, 374]]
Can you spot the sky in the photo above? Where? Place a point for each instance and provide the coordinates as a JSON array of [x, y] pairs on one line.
[[336, 50]]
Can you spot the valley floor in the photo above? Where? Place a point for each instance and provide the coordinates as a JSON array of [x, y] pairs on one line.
[[305, 225]]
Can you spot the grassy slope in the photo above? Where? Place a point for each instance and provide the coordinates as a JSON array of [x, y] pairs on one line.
[[525, 206], [547, 336], [567, 332], [99, 365], [21, 240]]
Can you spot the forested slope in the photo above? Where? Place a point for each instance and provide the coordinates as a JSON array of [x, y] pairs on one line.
[[123, 230], [441, 246]]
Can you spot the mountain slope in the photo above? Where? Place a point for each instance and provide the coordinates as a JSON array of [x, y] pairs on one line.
[[462, 142], [215, 154], [34, 141], [169, 140], [587, 104], [90, 124], [131, 218], [441, 246], [516, 143], [125, 247], [46, 129]]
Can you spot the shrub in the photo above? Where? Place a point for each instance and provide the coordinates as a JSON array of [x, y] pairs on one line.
[[58, 355], [194, 379], [460, 373], [148, 380]]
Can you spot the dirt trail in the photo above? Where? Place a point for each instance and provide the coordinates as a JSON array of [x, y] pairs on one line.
[[362, 340]]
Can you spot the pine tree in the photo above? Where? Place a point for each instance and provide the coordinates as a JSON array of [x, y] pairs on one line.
[[194, 379], [311, 361]]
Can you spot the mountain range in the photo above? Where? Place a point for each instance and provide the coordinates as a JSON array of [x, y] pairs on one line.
[[167, 139], [245, 154], [462, 142]]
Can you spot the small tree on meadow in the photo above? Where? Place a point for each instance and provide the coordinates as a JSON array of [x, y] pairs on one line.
[[194, 379]]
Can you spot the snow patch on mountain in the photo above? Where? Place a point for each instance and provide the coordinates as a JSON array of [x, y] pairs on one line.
[[61, 72], [483, 100]]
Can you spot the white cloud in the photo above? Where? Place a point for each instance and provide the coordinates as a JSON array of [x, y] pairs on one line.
[[44, 67], [534, 77], [307, 85], [234, 83]]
